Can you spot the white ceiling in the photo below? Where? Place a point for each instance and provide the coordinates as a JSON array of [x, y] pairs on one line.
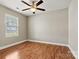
[[49, 5]]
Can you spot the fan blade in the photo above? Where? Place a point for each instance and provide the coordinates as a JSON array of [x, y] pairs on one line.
[[26, 3], [25, 9], [40, 2], [41, 9]]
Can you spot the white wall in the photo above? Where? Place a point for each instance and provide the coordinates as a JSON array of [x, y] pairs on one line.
[[73, 26], [51, 27]]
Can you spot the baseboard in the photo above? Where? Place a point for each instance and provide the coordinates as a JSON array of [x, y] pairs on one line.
[[31, 41], [12, 44], [48, 42], [74, 54]]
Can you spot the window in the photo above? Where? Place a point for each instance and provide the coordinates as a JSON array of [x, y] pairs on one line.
[[11, 26]]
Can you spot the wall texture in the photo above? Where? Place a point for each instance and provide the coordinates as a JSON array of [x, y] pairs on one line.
[[51, 26], [73, 26], [22, 27]]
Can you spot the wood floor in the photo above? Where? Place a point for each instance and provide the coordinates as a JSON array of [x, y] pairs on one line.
[[32, 50]]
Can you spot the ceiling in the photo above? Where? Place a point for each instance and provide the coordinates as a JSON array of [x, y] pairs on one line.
[[49, 5]]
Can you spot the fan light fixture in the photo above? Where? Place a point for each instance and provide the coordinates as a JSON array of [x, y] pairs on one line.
[[34, 6], [33, 9]]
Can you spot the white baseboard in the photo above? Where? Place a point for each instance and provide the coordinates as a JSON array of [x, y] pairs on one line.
[[74, 54], [12, 44], [48, 42]]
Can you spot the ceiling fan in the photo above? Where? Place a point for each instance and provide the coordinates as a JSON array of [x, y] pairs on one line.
[[34, 6]]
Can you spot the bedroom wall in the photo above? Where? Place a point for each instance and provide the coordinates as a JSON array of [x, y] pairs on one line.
[[73, 26], [22, 27], [51, 27]]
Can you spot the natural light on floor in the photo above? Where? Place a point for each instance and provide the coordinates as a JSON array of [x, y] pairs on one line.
[[14, 55]]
